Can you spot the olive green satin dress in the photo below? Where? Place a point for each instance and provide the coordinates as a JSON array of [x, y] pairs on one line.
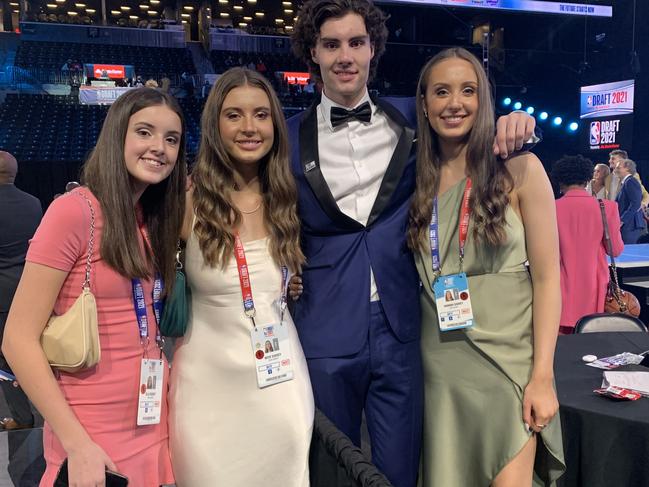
[[474, 379]]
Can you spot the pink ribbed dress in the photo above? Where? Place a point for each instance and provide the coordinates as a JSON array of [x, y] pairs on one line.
[[104, 398]]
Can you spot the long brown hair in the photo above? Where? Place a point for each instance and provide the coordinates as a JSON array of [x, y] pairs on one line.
[[214, 180], [163, 204], [491, 180]]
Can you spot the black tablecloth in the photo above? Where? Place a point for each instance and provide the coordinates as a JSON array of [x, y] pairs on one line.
[[606, 442]]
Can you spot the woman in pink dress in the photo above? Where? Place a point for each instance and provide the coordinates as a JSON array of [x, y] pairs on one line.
[[134, 184], [584, 269]]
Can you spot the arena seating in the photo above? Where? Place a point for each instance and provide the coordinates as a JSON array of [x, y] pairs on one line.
[[222, 60], [148, 61], [52, 128], [47, 127]]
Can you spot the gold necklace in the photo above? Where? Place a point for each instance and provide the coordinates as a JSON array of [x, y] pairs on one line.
[[250, 212]]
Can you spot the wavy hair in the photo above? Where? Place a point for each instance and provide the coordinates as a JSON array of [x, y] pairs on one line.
[[492, 182], [314, 13], [162, 204], [214, 180]]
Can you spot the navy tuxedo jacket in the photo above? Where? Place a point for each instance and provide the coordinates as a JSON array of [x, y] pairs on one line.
[[628, 201], [333, 314]]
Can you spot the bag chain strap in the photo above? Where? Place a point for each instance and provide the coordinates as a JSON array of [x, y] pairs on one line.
[[91, 241], [609, 249]]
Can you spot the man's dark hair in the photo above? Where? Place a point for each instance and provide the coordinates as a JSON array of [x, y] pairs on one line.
[[314, 13], [570, 170]]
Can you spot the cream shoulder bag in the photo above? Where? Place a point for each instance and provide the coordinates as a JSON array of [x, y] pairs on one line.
[[71, 341]]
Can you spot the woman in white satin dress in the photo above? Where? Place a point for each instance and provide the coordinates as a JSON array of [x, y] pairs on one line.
[[225, 430]]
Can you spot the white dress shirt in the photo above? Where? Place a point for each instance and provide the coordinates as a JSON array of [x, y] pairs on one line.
[[353, 159]]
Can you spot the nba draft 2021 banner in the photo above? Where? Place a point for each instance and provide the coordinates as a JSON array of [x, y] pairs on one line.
[[607, 114]]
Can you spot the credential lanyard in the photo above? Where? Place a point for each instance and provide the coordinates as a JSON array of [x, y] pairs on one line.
[[433, 231], [246, 288], [140, 308]]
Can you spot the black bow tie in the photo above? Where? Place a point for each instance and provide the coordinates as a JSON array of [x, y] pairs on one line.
[[362, 113]]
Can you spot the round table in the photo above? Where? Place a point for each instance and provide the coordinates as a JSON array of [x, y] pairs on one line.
[[606, 442]]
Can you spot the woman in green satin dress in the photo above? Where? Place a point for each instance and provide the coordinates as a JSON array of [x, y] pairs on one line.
[[490, 404]]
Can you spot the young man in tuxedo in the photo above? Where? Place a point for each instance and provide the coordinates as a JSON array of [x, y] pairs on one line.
[[354, 162]]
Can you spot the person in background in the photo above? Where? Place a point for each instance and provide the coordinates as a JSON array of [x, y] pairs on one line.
[[584, 268], [20, 215], [629, 201], [165, 83], [597, 185], [613, 182], [205, 89], [134, 190]]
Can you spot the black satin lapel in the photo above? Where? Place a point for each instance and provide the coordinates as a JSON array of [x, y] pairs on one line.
[[397, 163], [311, 167]]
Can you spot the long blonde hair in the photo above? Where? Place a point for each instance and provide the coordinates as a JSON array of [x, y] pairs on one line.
[[214, 179], [491, 180]]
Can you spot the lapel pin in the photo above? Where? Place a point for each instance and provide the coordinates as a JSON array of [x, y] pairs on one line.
[[309, 166]]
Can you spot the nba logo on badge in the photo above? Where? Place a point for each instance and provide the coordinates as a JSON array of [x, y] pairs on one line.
[[594, 133]]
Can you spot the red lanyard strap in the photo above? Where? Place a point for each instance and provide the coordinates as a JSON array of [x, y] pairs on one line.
[[244, 279], [246, 288], [465, 216]]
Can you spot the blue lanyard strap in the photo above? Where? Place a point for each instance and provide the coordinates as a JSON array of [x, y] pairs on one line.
[[433, 231], [283, 301], [140, 307]]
